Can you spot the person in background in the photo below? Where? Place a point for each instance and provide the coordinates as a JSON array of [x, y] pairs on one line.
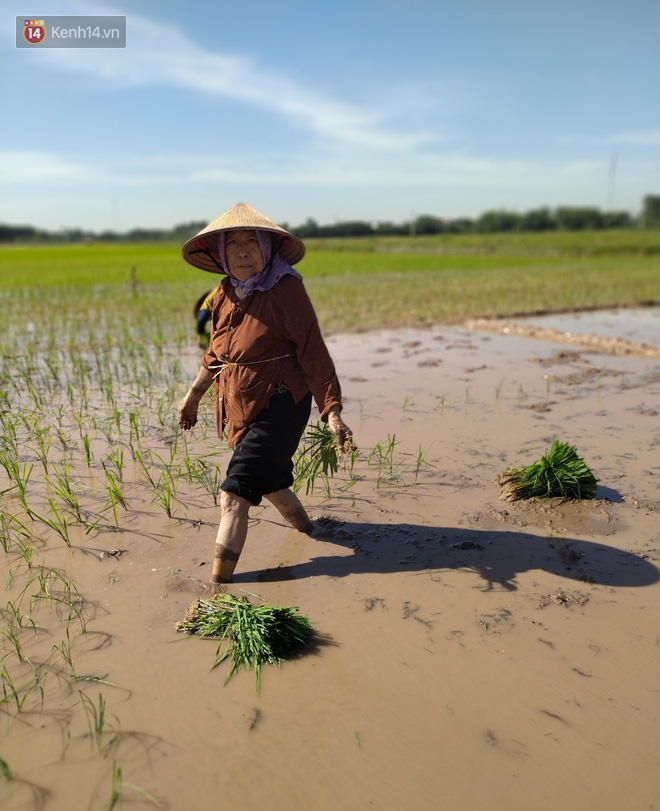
[[202, 313], [268, 360]]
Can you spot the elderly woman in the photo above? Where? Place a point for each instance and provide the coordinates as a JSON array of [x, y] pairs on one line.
[[268, 358]]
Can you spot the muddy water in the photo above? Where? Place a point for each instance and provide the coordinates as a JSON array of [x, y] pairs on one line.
[[471, 653], [636, 325]]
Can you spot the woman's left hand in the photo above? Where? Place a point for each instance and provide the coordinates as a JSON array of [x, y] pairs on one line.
[[342, 433]]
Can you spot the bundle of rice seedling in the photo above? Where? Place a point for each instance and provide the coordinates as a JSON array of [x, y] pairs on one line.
[[249, 634], [560, 473], [318, 455]]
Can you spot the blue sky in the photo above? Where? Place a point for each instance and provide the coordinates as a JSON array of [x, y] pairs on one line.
[[362, 109]]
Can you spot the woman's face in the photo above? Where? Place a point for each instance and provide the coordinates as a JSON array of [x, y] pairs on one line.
[[243, 254]]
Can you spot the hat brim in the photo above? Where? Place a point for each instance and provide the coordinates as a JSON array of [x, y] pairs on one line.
[[202, 249]]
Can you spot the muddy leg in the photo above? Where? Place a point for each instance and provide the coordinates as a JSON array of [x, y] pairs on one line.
[[231, 536], [291, 509]]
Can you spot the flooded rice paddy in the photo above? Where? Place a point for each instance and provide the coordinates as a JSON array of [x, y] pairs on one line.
[[470, 653]]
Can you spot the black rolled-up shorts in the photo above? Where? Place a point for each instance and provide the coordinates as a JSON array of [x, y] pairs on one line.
[[263, 460]]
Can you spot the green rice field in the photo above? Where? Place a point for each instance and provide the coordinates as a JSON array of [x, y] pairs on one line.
[[354, 283]]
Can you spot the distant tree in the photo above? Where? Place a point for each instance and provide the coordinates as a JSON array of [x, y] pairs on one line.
[[15, 233], [537, 219], [651, 211], [575, 218], [186, 230], [497, 221], [310, 228], [617, 219], [461, 225], [390, 229], [144, 235], [427, 224], [349, 228]]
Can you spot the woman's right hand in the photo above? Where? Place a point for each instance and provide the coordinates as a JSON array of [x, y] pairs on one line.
[[187, 412]]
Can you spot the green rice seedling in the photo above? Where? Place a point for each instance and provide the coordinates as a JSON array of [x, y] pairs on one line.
[[116, 460], [383, 456], [62, 487], [43, 447], [118, 786], [5, 771], [10, 577], [19, 693], [421, 460], [208, 475], [140, 460], [63, 597], [65, 441], [12, 639], [58, 523], [249, 634], [20, 476], [560, 473], [99, 724], [116, 415], [318, 456], [87, 445], [114, 491], [136, 431], [165, 491], [11, 530]]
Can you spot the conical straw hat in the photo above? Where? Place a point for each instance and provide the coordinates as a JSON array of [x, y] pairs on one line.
[[197, 250]]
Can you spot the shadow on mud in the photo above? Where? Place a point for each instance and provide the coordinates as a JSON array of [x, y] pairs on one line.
[[495, 555]]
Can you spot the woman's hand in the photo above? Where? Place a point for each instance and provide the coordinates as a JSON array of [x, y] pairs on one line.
[[342, 433], [187, 412]]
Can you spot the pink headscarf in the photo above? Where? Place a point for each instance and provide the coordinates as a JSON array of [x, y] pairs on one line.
[[274, 266]]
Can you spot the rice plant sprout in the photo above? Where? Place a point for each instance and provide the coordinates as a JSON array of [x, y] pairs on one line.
[[559, 473]]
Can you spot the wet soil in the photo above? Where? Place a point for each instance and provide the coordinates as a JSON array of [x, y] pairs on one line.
[[470, 653]]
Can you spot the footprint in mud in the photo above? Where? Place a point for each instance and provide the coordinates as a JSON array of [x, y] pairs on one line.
[[180, 583]]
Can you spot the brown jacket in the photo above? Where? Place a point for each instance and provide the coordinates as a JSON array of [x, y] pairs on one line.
[[267, 338]]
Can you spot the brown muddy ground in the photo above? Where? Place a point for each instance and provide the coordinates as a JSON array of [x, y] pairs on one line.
[[471, 653]]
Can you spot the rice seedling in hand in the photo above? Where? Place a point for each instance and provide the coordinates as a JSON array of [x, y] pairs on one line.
[[559, 473], [250, 634], [318, 456]]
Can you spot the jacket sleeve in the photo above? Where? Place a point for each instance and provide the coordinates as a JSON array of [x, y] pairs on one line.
[[302, 328]]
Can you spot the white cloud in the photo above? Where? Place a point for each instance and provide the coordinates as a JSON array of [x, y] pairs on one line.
[[328, 168], [30, 167], [647, 138], [163, 55], [639, 138]]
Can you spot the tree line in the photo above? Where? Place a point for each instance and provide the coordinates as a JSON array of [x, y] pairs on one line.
[[563, 218]]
